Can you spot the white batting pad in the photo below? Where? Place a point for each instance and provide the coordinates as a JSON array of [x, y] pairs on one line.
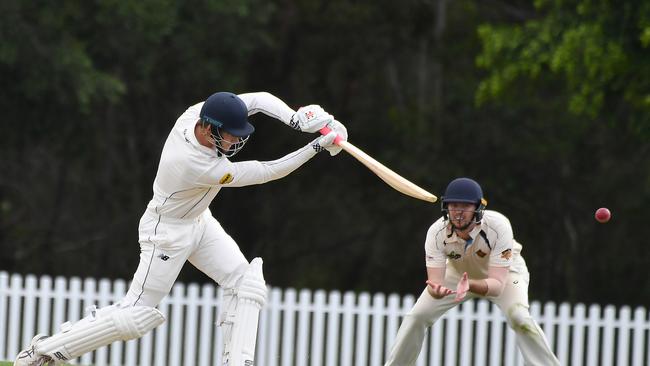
[[102, 327], [250, 296]]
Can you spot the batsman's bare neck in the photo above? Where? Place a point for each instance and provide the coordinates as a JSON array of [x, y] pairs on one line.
[[202, 134]]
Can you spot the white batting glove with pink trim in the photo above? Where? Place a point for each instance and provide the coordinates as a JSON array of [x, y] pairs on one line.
[[310, 118]]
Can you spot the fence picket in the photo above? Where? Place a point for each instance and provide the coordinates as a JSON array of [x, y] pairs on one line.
[[638, 335], [274, 330], [563, 333], [177, 324], [14, 321], [191, 321], [361, 334], [496, 337], [347, 329], [579, 321], [332, 349], [608, 336], [318, 328], [466, 336], [480, 339], [376, 345], [593, 336], [451, 332], [5, 294], [623, 330], [29, 310], [288, 324], [302, 351]]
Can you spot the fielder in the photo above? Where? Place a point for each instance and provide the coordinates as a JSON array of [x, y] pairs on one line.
[[472, 250], [177, 226]]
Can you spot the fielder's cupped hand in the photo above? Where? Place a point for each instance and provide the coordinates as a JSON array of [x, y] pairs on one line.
[[310, 118], [462, 287], [438, 291]]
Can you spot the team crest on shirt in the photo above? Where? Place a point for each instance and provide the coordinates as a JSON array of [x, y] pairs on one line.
[[453, 255], [227, 178], [481, 253], [506, 254]]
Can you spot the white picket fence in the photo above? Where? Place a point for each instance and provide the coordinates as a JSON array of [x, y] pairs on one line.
[[318, 328]]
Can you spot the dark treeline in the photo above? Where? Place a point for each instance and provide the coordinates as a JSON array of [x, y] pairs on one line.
[[547, 107]]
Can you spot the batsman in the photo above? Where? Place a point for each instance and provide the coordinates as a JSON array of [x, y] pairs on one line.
[[470, 253], [177, 226]]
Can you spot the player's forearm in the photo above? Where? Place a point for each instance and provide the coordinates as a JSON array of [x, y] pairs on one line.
[[268, 104], [479, 287], [258, 172], [491, 286]]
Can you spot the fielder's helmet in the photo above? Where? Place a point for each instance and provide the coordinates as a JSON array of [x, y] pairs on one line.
[[228, 112], [464, 190]]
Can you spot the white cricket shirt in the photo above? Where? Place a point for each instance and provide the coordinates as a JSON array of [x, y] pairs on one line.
[[190, 175], [491, 243]]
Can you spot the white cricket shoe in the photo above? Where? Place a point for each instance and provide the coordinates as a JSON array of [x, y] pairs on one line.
[[29, 357]]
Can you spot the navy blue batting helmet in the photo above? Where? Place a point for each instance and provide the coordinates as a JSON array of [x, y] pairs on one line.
[[464, 190], [228, 112]]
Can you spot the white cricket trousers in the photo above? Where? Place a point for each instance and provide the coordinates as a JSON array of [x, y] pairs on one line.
[[513, 302], [166, 244]]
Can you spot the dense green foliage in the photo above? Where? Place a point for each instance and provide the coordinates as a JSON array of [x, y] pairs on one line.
[[547, 106]]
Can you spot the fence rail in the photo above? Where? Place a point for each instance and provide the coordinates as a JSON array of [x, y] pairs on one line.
[[318, 328]]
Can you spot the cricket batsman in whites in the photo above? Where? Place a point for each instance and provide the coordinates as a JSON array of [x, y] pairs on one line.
[[177, 226], [471, 253]]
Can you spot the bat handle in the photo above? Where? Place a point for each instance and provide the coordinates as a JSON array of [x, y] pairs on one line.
[[325, 130]]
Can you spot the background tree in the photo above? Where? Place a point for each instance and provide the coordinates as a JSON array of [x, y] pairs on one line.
[[545, 104]]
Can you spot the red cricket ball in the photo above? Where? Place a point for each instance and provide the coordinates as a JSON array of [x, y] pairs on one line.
[[602, 215]]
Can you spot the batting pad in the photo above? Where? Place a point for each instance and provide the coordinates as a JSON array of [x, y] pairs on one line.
[[239, 349], [100, 328]]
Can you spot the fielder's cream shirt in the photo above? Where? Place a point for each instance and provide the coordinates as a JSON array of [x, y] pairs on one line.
[[491, 243]]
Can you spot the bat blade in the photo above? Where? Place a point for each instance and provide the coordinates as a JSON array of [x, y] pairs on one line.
[[393, 179]]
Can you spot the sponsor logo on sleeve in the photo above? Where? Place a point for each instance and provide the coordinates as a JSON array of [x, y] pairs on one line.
[[506, 254], [227, 178]]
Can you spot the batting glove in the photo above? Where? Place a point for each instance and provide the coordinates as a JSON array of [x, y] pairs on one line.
[[340, 130], [310, 119], [324, 142]]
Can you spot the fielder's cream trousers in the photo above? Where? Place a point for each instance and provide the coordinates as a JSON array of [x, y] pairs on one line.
[[513, 302]]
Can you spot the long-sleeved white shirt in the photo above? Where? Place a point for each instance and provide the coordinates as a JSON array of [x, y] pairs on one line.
[[190, 175]]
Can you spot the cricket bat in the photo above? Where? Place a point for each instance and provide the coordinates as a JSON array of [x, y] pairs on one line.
[[393, 179]]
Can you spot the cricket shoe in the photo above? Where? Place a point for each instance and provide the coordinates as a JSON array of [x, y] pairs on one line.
[[30, 357]]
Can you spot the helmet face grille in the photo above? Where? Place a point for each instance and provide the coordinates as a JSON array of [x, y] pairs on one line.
[[234, 148]]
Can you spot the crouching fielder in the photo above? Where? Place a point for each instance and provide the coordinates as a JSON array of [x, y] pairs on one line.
[[471, 252], [177, 226]]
